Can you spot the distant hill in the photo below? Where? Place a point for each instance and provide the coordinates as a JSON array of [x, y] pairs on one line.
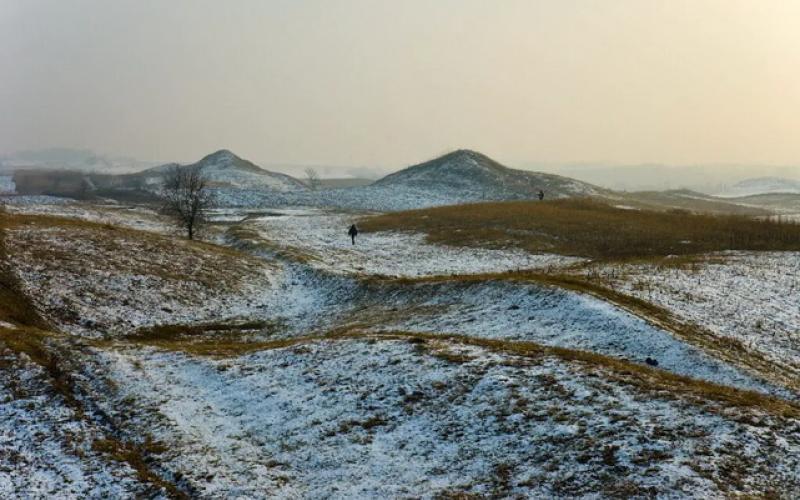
[[83, 160], [225, 169], [469, 174], [762, 185], [345, 182]]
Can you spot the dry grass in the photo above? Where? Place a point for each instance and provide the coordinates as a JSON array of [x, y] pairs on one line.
[[208, 339], [60, 246], [40, 347], [136, 455], [248, 239], [621, 371], [724, 348], [588, 228], [32, 338], [15, 306]]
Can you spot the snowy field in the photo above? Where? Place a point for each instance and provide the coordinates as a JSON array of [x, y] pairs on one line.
[[550, 316], [119, 215], [751, 297], [323, 237], [45, 448], [401, 422], [380, 416], [95, 282]]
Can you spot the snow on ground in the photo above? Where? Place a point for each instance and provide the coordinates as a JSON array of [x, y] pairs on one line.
[[402, 421], [109, 285], [28, 200], [95, 282], [131, 217], [7, 185], [751, 297], [372, 197], [45, 448], [390, 418], [323, 236], [550, 316]]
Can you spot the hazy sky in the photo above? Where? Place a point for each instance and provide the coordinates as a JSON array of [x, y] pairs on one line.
[[364, 82]]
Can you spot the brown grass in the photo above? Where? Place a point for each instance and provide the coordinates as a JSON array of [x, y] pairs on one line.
[[589, 228], [15, 306], [35, 345], [621, 371], [207, 339], [134, 455], [31, 337], [125, 250], [724, 348], [249, 240]]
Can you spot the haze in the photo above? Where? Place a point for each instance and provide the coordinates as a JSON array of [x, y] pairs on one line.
[[385, 83]]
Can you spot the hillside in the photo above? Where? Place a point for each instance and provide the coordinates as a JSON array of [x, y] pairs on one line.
[[762, 185], [292, 363], [588, 228], [225, 169], [461, 176], [465, 172]]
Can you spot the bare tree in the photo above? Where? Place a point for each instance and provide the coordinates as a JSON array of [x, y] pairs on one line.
[[187, 198], [312, 179]]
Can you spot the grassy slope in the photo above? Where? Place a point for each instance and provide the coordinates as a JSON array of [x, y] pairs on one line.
[[588, 228], [34, 338], [15, 307], [619, 370]]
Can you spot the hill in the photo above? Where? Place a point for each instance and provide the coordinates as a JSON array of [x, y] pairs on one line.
[[470, 174], [589, 228], [762, 185], [462, 176], [225, 169]]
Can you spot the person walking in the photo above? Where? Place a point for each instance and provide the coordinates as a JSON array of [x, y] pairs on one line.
[[353, 232]]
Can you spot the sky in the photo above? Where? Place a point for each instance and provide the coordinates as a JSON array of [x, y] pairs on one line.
[[392, 83]]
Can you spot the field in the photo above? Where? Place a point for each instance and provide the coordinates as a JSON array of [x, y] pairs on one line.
[[481, 351], [587, 228]]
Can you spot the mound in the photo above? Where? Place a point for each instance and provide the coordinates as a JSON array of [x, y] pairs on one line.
[[472, 175], [225, 169]]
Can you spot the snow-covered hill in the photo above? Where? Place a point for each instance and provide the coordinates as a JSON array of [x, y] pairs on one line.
[[466, 173], [762, 185], [225, 169], [462, 176]]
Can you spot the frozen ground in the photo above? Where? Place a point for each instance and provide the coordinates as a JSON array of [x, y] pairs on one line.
[[99, 282], [323, 237], [751, 297], [46, 449], [405, 420], [381, 417], [550, 316], [132, 217], [124, 281]]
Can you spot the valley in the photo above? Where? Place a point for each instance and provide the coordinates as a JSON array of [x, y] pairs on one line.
[[276, 358]]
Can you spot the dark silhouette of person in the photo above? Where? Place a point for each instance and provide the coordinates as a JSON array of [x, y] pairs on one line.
[[353, 232], [541, 195]]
